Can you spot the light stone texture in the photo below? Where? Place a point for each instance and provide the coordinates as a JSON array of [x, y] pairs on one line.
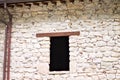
[[2, 32], [94, 54]]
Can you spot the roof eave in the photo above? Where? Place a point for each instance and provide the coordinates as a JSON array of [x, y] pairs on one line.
[[20, 1]]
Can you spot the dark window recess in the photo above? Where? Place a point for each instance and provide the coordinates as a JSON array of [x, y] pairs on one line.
[[59, 53]]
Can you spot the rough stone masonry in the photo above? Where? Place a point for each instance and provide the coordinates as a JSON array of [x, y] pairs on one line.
[[94, 54]]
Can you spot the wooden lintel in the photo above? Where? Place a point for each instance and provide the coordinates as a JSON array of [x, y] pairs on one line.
[[55, 34]]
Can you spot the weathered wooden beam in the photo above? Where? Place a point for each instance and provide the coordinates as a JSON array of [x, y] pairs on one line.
[[20, 1], [55, 34]]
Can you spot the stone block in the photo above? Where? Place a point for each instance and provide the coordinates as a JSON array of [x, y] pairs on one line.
[[73, 66], [30, 70], [115, 54], [44, 50], [58, 77], [46, 54], [111, 43], [118, 76], [116, 49], [106, 38], [107, 53], [104, 49], [44, 59], [59, 3], [109, 59], [97, 60], [102, 77], [81, 59], [111, 71], [100, 43], [37, 77], [43, 68], [37, 46], [70, 78], [110, 76], [89, 49]]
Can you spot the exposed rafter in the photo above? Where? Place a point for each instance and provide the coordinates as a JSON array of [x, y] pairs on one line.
[[26, 1], [20, 1], [12, 3]]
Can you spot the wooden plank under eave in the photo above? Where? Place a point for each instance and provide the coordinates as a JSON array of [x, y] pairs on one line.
[[55, 34], [19, 1]]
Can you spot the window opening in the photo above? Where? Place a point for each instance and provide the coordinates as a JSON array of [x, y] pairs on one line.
[[59, 53]]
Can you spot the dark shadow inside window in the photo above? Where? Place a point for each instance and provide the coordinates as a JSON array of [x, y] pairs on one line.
[[59, 53]]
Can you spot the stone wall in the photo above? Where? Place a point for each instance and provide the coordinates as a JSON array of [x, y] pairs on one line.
[[2, 32], [94, 54]]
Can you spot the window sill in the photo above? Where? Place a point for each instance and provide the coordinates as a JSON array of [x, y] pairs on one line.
[[58, 72]]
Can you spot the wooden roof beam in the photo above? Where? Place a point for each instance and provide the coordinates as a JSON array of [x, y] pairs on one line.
[[20, 1]]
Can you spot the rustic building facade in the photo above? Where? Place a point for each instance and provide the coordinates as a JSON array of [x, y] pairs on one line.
[[94, 54]]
